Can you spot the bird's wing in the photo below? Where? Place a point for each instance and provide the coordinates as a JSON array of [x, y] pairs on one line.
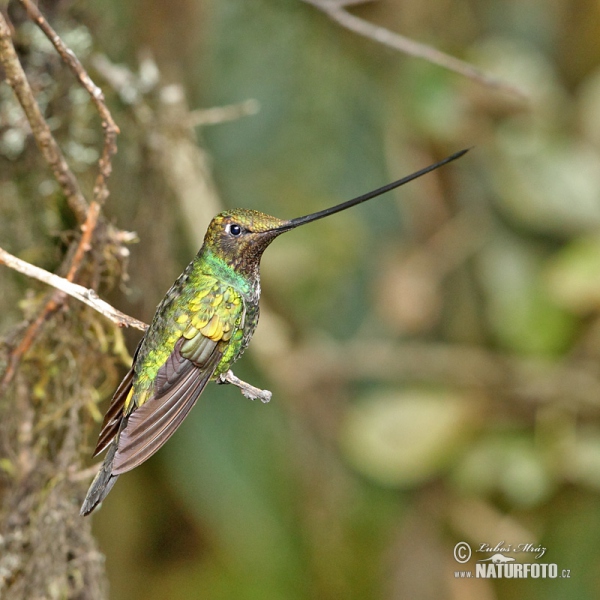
[[114, 414], [210, 325]]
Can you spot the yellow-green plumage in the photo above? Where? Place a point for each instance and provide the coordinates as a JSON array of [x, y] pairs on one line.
[[201, 327], [215, 313]]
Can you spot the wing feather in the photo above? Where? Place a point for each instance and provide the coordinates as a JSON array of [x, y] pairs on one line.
[[153, 423], [114, 414]]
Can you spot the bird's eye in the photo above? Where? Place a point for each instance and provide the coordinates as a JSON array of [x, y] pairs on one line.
[[234, 229]]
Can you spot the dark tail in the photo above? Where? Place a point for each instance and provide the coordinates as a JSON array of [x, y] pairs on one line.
[[103, 482]]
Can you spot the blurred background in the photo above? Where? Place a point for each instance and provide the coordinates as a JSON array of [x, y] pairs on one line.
[[434, 355]]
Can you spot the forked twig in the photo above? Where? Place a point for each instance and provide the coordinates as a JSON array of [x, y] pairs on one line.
[[86, 214], [62, 288], [108, 124], [17, 80]]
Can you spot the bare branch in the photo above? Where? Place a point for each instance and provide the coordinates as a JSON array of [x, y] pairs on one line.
[[87, 215], [87, 230], [56, 300], [39, 128], [108, 124], [334, 9], [28, 338], [222, 114], [249, 391], [79, 292]]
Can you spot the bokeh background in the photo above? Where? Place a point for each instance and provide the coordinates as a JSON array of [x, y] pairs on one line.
[[434, 354]]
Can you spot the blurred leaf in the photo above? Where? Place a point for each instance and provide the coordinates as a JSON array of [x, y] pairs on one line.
[[572, 276], [508, 464], [550, 186], [582, 458], [404, 438], [518, 310]]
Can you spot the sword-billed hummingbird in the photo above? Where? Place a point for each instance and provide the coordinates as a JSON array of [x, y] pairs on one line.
[[201, 327]]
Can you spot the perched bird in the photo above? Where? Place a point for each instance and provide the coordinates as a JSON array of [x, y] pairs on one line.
[[201, 327]]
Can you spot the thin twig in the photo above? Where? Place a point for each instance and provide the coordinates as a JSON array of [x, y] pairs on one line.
[[81, 293], [39, 128], [56, 299], [85, 241], [87, 215], [334, 9], [109, 127], [222, 114], [249, 391], [108, 124], [64, 176], [28, 338]]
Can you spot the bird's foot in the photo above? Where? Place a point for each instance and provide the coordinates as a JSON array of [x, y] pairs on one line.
[[249, 391]]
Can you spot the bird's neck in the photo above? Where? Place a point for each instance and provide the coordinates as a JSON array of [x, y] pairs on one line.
[[243, 276]]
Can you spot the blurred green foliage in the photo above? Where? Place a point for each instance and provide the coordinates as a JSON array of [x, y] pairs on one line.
[[434, 354]]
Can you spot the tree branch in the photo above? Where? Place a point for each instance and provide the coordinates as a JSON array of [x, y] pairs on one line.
[[108, 124], [249, 391], [222, 114], [335, 10], [87, 215], [81, 293], [39, 128]]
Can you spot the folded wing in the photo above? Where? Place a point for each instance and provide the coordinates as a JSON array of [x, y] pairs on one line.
[[209, 323], [155, 421]]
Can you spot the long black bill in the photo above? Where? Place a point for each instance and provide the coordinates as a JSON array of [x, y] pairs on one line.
[[382, 190]]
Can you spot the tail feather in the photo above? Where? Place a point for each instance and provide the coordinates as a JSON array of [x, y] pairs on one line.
[[103, 482]]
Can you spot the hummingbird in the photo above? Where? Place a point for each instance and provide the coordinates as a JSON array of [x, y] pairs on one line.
[[200, 328]]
